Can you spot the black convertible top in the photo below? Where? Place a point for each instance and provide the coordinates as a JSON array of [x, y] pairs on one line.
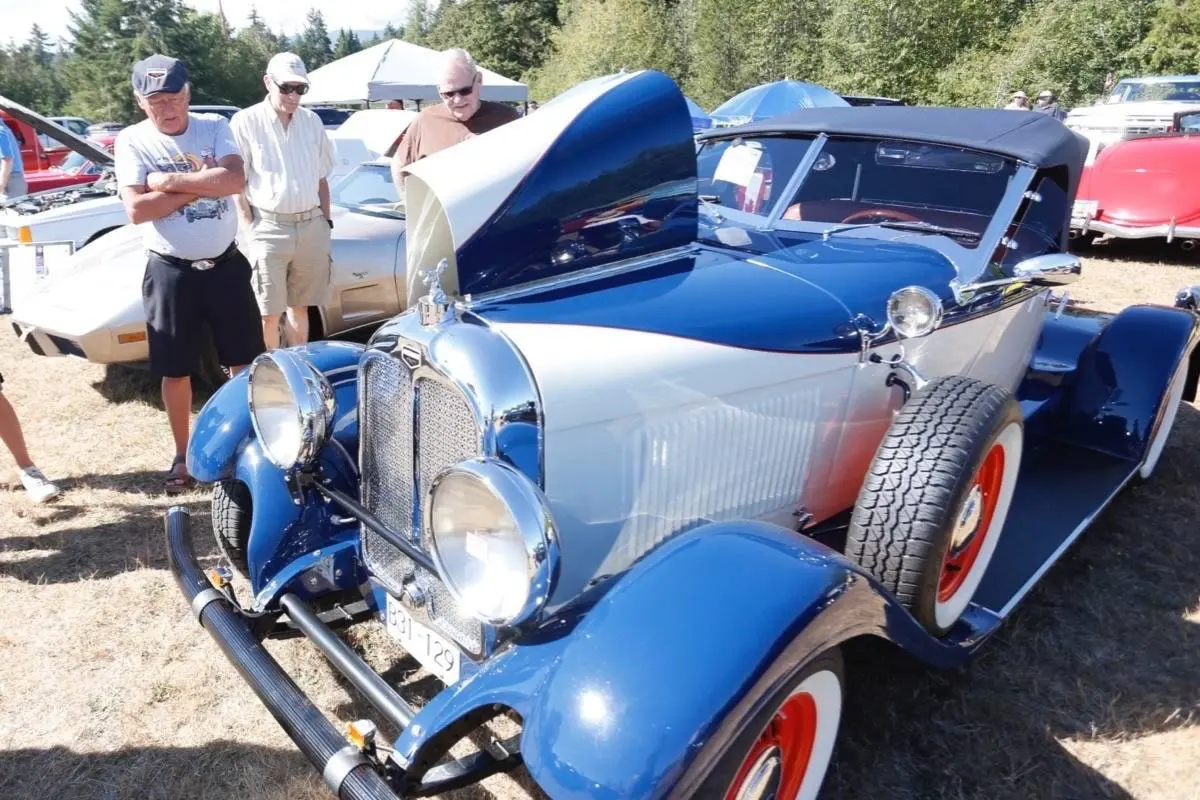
[[1037, 139]]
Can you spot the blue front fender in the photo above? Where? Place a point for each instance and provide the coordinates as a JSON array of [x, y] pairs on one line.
[[637, 692], [290, 544]]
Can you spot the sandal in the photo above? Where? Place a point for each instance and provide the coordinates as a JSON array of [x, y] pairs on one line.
[[175, 482]]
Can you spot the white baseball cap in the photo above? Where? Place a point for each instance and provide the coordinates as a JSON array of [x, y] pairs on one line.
[[287, 68]]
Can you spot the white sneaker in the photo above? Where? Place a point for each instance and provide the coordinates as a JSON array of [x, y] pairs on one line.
[[40, 490]]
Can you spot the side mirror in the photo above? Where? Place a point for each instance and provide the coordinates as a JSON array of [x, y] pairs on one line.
[[1051, 269]]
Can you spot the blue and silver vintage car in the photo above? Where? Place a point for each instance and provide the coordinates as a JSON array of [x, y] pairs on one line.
[[670, 423]]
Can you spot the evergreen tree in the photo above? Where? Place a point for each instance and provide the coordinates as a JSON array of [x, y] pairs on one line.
[[313, 42], [417, 24]]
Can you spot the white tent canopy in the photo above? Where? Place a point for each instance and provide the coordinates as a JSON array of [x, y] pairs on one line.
[[396, 70]]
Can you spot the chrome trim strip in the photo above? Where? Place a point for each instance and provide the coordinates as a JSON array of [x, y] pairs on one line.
[[1138, 231], [470, 302], [201, 601]]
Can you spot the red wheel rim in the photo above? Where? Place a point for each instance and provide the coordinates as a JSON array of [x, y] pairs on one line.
[[792, 733], [985, 491]]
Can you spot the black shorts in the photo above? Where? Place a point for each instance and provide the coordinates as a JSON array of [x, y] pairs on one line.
[[180, 301]]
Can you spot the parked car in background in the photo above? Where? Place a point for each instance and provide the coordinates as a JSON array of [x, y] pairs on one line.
[[225, 111], [79, 213], [331, 117], [90, 306], [1142, 188], [1135, 107], [652, 444], [35, 155], [76, 170], [366, 135], [1187, 121], [105, 127], [76, 125]]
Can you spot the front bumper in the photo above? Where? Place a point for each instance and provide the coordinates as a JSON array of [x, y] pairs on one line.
[[349, 771], [1169, 231]]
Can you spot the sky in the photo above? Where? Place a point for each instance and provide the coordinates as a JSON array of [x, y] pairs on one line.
[[283, 16]]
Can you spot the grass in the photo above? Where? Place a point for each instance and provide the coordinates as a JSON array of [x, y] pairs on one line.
[[108, 688]]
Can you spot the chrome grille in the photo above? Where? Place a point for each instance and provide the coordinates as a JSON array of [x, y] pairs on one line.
[[399, 414]]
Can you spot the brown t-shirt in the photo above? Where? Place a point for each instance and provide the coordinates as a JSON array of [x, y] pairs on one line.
[[435, 129]]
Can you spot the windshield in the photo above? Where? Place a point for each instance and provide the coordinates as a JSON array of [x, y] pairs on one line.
[[1139, 92], [368, 187], [864, 182]]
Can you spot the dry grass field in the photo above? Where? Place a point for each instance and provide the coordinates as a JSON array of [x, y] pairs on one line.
[[108, 688]]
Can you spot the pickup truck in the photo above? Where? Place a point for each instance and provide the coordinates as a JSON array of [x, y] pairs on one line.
[[35, 155]]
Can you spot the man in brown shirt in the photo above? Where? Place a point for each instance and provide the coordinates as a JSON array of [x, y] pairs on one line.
[[461, 115]]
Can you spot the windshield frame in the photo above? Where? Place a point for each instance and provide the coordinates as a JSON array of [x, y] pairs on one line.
[[969, 261], [375, 211]]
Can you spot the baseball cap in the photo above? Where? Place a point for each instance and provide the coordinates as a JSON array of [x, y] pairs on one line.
[[287, 68], [159, 73]]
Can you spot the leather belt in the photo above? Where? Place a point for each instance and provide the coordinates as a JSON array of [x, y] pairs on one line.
[[198, 264], [299, 216]]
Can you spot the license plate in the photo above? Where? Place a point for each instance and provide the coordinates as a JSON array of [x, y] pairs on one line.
[[436, 654], [1084, 209]]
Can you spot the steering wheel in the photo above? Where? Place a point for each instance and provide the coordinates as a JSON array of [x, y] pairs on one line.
[[868, 215]]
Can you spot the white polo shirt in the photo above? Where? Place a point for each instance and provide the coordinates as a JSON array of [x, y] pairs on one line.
[[283, 167]]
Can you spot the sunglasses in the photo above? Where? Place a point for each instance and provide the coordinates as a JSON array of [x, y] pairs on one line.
[[291, 88], [463, 92]]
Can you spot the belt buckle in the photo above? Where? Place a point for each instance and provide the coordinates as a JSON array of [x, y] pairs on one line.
[[203, 264]]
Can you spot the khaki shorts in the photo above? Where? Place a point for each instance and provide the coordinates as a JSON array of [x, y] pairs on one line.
[[292, 263]]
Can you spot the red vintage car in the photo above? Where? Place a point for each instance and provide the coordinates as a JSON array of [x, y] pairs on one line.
[[1143, 188], [76, 170]]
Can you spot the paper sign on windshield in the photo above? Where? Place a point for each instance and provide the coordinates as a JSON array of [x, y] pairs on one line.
[[737, 164]]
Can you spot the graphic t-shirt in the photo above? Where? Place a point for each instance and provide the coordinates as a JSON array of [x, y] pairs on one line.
[[203, 228]]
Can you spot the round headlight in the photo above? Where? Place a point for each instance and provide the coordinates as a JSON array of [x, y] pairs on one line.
[[493, 540], [914, 311], [291, 407]]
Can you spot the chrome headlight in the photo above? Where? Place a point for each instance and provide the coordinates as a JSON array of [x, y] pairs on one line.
[[291, 407], [494, 541], [914, 311]]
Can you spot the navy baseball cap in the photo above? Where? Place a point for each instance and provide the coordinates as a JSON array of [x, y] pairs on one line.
[[159, 73]]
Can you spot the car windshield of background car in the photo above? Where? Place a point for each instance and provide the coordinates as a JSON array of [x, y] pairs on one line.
[[368, 187], [1137, 92], [75, 163], [907, 185]]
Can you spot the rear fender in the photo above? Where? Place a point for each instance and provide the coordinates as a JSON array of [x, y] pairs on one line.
[[1189, 298], [1121, 379], [295, 543], [637, 690]]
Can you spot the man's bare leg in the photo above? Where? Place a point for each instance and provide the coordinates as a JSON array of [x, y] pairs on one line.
[[10, 432], [271, 331], [297, 325], [177, 399]]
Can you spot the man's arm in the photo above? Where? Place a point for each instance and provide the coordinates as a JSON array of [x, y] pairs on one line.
[[227, 178], [323, 196], [245, 213], [6, 165], [144, 205]]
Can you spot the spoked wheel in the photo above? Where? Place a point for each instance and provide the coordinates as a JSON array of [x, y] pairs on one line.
[[786, 752], [930, 512]]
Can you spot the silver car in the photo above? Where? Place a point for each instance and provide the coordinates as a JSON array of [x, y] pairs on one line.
[[90, 305]]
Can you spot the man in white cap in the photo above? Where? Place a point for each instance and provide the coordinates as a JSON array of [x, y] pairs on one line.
[[285, 206], [1019, 102]]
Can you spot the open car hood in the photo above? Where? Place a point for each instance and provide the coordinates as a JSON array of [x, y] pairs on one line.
[[55, 132], [604, 172]]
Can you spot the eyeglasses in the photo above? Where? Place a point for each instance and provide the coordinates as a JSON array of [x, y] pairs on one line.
[[291, 88], [463, 92]]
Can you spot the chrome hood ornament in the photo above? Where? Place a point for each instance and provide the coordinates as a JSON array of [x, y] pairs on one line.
[[434, 307]]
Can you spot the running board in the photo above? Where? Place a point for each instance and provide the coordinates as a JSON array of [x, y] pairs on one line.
[[1061, 491]]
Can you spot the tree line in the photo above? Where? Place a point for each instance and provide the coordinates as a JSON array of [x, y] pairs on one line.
[[960, 52]]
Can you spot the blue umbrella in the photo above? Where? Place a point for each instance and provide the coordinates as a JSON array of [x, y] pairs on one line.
[[772, 99], [700, 120]]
